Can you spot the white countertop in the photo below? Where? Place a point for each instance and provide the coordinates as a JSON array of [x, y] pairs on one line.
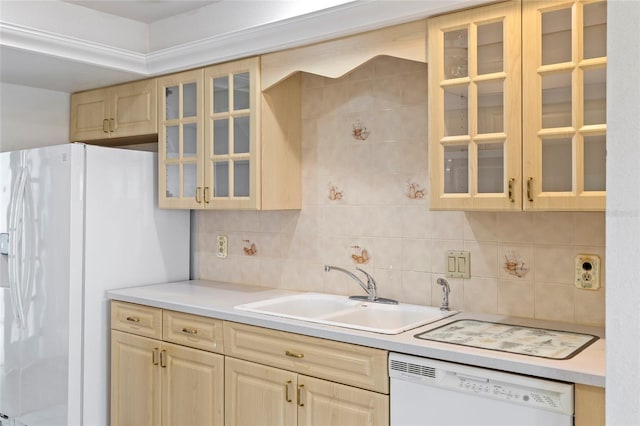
[[217, 300]]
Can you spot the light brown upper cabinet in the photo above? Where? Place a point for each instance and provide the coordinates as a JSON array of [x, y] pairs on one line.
[[123, 111], [564, 104], [225, 144], [517, 107]]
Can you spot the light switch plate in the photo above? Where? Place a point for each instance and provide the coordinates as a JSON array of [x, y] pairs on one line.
[[222, 246], [588, 271], [458, 265]]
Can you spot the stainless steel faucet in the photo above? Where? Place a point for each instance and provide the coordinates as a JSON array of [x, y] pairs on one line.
[[370, 287], [444, 306]]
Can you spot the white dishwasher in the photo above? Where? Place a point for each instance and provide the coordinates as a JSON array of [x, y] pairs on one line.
[[430, 392]]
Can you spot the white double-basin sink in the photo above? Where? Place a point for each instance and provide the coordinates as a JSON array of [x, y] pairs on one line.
[[341, 311]]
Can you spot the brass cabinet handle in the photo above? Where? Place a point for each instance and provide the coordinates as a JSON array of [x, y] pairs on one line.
[[530, 189], [105, 125], [300, 394], [287, 397], [198, 190], [293, 354], [112, 124], [133, 319], [190, 330], [163, 358], [206, 195], [154, 359], [511, 183]]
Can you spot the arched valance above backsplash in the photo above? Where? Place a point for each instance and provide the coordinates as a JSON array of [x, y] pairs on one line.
[[335, 58]]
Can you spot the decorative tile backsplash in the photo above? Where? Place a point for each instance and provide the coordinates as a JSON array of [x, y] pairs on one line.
[[365, 204]]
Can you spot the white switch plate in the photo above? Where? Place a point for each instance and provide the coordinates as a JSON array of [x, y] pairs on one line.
[[588, 271], [458, 265], [221, 246]]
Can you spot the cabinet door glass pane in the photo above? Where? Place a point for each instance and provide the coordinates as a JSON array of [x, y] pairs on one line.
[[490, 107], [221, 94], [189, 100], [241, 135], [456, 111], [491, 168], [595, 96], [557, 165], [556, 36], [241, 178], [172, 142], [456, 54], [221, 176], [595, 155], [189, 140], [173, 182], [221, 137], [241, 90], [490, 48], [189, 180], [456, 169], [172, 102], [556, 100], [595, 30]]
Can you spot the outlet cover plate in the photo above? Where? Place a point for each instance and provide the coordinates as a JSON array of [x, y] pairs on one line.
[[222, 246], [587, 271]]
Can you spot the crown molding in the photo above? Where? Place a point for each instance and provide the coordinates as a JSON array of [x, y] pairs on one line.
[[71, 48]]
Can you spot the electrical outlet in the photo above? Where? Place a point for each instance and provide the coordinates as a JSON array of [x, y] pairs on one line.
[[588, 271], [458, 265], [221, 247]]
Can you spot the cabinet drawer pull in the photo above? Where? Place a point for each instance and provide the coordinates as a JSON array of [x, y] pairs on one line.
[[198, 191], [112, 124], [511, 183], [163, 358], [206, 195], [154, 359], [133, 319], [530, 189], [300, 394], [105, 125], [287, 385], [189, 330], [293, 354]]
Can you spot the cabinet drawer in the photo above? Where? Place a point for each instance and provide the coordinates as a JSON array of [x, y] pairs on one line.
[[339, 362], [137, 319], [193, 330]]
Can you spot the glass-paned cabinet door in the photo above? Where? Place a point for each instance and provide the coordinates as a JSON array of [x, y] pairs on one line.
[[474, 109], [180, 140], [231, 134], [564, 104]]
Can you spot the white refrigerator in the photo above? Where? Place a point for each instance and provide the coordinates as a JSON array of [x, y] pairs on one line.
[[75, 221]]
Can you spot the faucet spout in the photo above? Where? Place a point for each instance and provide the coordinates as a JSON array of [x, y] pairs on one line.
[[328, 268], [370, 287]]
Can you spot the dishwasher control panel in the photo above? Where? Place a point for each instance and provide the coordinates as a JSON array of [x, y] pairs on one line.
[[540, 398]]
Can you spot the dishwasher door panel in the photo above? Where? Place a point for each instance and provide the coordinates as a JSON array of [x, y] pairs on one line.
[[415, 404]]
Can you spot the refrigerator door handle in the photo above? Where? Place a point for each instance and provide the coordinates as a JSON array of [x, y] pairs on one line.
[[15, 237], [4, 244]]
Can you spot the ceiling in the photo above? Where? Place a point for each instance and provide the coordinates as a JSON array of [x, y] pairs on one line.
[[146, 11], [75, 45]]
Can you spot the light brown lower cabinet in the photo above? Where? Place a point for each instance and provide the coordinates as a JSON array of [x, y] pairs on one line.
[[589, 405], [159, 383], [261, 395]]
